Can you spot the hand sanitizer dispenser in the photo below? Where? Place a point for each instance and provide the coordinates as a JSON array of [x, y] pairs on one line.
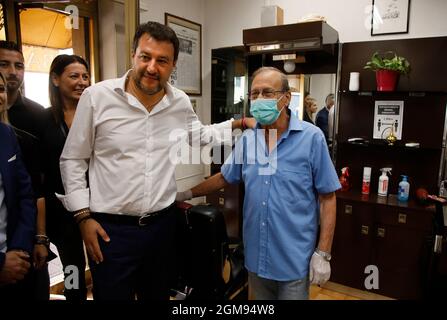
[[404, 189]]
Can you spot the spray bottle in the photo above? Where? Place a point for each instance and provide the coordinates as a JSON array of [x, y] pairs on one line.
[[344, 179], [383, 182]]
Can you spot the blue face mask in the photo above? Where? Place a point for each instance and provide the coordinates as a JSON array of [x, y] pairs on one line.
[[265, 111]]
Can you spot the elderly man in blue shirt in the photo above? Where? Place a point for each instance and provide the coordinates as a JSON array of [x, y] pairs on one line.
[[290, 185]]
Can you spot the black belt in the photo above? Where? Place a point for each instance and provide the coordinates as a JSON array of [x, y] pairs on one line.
[[133, 220]]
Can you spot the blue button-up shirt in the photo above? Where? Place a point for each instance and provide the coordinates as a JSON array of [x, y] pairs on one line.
[[281, 210]]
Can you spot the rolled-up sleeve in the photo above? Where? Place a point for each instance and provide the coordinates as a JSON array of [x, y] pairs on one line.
[[76, 155], [215, 134]]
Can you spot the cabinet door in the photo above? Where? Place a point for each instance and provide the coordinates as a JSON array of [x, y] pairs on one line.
[[401, 249], [352, 243]]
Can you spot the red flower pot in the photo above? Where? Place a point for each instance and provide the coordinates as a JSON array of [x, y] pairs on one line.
[[386, 80]]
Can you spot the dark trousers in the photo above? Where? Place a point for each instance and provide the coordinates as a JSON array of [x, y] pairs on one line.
[[34, 287], [67, 238], [137, 260]]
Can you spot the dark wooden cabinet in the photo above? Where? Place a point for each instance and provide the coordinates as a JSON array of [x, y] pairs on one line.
[[381, 232], [352, 247], [371, 230]]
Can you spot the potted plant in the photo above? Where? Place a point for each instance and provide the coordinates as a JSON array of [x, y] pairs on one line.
[[387, 66]]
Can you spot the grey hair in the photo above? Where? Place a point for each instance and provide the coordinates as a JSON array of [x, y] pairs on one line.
[[284, 81]]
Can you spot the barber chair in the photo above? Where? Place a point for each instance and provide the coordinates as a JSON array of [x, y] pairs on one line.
[[208, 265]]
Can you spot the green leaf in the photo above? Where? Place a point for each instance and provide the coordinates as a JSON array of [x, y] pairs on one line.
[[388, 61]]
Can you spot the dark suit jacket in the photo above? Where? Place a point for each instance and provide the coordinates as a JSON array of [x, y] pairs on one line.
[[322, 121], [19, 198]]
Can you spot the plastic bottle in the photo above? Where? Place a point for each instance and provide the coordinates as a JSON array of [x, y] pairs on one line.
[[383, 182], [344, 179], [404, 189], [366, 180]]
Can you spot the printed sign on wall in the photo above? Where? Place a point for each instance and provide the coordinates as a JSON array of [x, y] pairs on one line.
[[388, 116]]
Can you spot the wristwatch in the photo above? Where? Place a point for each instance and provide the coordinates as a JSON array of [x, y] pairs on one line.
[[326, 255]]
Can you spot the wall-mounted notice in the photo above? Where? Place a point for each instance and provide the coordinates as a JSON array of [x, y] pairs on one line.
[[388, 115]]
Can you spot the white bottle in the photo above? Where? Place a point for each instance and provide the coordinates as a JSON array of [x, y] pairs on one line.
[[383, 182], [366, 180]]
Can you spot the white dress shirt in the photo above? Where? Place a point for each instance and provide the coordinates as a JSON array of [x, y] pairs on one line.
[[127, 150], [3, 216]]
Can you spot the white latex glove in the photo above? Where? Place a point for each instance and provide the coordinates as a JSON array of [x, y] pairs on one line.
[[319, 269], [184, 195]]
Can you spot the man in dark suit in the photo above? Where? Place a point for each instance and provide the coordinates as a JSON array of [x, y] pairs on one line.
[[27, 119], [17, 218], [322, 120]]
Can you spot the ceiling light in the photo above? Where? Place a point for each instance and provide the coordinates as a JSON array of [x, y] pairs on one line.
[[289, 66]]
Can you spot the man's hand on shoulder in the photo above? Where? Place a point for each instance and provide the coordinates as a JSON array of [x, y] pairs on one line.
[[250, 123]]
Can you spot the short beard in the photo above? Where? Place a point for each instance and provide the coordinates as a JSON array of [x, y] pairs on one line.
[[13, 88], [137, 80]]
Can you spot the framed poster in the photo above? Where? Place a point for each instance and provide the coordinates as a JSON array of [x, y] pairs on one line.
[[187, 74], [388, 117], [390, 17]]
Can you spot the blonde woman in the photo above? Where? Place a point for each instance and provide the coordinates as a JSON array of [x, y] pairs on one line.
[[310, 107]]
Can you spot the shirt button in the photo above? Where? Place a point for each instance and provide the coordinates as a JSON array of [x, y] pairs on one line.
[[263, 224], [266, 182], [263, 203]]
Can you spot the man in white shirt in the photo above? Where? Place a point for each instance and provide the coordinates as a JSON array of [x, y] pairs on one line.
[[121, 134]]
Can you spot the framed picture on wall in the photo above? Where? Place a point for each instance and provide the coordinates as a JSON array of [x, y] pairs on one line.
[[187, 75], [390, 17]]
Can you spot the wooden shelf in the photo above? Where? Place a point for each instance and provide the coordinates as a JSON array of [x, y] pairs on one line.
[[388, 94], [377, 143], [390, 200]]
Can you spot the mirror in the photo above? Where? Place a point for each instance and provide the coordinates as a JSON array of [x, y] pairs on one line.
[[228, 84], [315, 86], [319, 86]]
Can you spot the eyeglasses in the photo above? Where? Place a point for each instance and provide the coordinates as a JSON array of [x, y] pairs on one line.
[[267, 93]]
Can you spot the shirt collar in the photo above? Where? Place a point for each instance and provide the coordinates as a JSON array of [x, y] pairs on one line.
[[18, 103], [294, 124], [120, 83]]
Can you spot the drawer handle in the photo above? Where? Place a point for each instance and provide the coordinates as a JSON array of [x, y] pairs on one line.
[[381, 232], [402, 218], [365, 230], [221, 201], [348, 209]]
